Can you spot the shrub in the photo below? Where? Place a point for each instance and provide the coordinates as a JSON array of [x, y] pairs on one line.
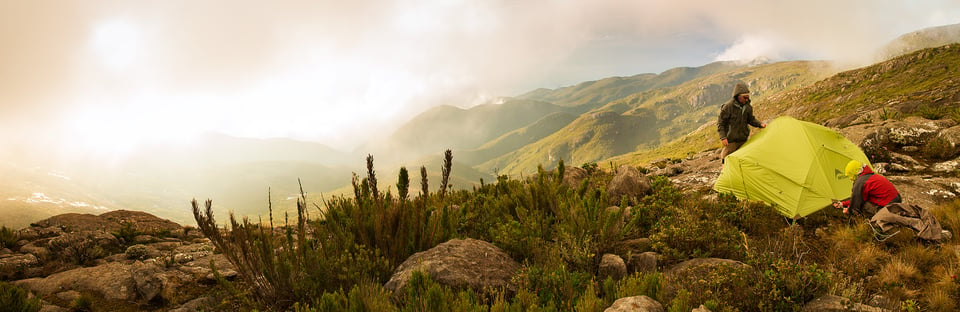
[[730, 285], [556, 288], [126, 233], [16, 299], [84, 303], [137, 252], [78, 249], [889, 114], [8, 238], [934, 112], [938, 148]]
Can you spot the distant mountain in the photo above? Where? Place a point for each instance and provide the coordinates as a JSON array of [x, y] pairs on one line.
[[592, 94], [448, 127], [921, 39], [647, 119], [516, 139]]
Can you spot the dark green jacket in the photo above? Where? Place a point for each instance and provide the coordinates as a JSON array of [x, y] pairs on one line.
[[733, 120]]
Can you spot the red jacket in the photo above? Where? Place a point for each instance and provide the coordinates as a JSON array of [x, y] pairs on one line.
[[876, 189]]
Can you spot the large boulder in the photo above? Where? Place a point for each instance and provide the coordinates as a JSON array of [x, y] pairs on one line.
[[142, 222], [612, 266], [629, 184], [112, 281], [459, 263], [76, 222], [635, 304]]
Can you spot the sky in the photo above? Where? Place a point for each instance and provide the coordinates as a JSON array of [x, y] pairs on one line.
[[105, 76]]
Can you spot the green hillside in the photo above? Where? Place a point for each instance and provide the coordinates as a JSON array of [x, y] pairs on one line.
[[447, 127], [596, 93], [921, 83], [515, 139], [648, 119]]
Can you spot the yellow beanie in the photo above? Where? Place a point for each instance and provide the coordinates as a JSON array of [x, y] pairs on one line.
[[853, 169]]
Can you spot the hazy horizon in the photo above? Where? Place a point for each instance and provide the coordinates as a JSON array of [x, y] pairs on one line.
[[104, 76]]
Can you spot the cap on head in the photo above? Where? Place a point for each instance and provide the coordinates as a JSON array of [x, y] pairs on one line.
[[740, 88], [853, 169]]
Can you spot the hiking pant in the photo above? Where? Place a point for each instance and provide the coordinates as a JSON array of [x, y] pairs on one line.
[[730, 148]]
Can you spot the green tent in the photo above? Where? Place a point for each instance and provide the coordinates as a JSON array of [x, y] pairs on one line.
[[793, 165]]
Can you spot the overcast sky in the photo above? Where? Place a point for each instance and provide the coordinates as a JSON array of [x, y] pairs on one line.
[[109, 74]]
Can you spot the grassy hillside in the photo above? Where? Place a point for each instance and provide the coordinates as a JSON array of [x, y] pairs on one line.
[[447, 127], [921, 39], [922, 83], [592, 94], [649, 119], [515, 139]]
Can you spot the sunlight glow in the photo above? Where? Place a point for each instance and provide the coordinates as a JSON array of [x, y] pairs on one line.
[[117, 43]]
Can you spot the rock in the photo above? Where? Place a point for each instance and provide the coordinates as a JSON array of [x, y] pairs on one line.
[[18, 262], [459, 263], [142, 222], [68, 296], [645, 262], [952, 137], [76, 222], [701, 308], [573, 176], [947, 166], [629, 184], [830, 303], [611, 266], [910, 132], [198, 304], [147, 277], [635, 304], [111, 281]]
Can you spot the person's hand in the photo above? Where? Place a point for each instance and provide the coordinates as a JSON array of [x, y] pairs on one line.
[[724, 141], [763, 125]]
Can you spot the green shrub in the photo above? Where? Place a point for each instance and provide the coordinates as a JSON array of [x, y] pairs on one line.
[[16, 299], [8, 238], [733, 286], [137, 252], [84, 303], [558, 288], [938, 148], [934, 112], [889, 114], [126, 233]]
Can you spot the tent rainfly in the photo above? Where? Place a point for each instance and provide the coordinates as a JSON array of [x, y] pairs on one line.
[[793, 165]]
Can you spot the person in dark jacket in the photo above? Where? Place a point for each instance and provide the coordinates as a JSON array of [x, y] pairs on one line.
[[733, 121], [870, 193]]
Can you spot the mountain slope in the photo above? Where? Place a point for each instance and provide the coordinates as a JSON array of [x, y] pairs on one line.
[[925, 82], [648, 119], [596, 93], [921, 39], [447, 127]]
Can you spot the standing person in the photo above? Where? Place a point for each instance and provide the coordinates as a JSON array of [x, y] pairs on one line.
[[734, 117], [870, 193]]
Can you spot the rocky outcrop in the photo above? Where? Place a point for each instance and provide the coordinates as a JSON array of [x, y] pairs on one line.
[[635, 304], [628, 184], [459, 263]]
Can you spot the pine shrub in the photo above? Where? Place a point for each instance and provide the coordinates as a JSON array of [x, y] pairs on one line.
[[16, 299]]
